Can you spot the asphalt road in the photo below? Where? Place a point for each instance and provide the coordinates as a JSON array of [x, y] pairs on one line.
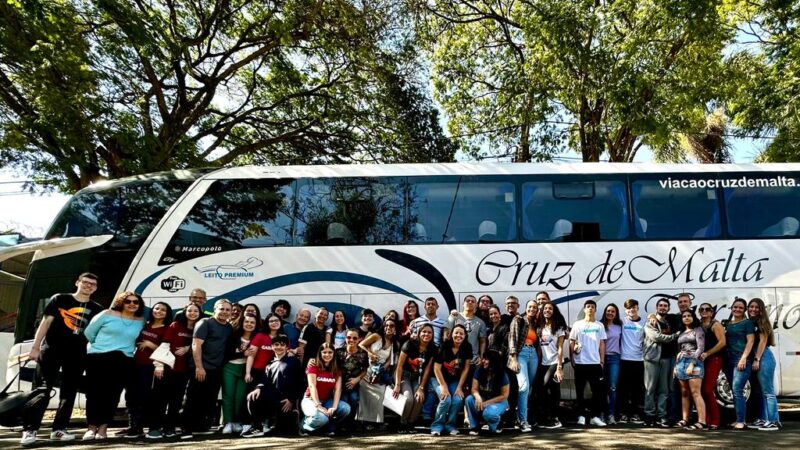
[[627, 436]]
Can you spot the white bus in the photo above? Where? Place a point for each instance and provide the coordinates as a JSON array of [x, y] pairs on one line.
[[375, 236]]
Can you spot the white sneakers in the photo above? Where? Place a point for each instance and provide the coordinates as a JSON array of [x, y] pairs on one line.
[[28, 438], [581, 420], [228, 428], [598, 422], [62, 435]]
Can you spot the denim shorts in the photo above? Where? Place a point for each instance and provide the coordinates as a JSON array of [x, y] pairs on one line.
[[697, 372]]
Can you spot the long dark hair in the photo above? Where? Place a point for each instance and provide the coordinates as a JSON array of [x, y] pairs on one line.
[[395, 339], [616, 321], [496, 368], [183, 320], [167, 318], [557, 320], [762, 321], [406, 318], [335, 325], [695, 323]]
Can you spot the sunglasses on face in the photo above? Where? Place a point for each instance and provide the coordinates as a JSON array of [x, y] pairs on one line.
[[704, 309], [129, 301]]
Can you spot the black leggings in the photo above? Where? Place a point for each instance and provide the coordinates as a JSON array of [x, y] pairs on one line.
[[549, 391], [592, 373], [107, 374]]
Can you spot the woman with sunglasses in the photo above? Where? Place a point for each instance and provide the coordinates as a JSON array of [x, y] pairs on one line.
[[141, 399], [739, 336], [175, 379], [689, 370], [109, 363], [712, 361], [382, 349], [322, 404], [764, 365]]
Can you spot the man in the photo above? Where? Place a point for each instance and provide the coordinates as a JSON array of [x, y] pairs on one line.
[[512, 310], [587, 348], [430, 317], [313, 336], [293, 330], [208, 355], [476, 328], [659, 361], [279, 387], [631, 369], [198, 297], [283, 309], [60, 345], [484, 302], [367, 323]]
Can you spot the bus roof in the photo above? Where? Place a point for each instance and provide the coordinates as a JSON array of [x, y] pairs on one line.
[[482, 168], [183, 174]]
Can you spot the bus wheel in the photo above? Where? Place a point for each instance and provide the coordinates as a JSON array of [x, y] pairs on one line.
[[725, 394]]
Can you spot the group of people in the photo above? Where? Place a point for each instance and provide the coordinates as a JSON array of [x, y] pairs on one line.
[[491, 365]]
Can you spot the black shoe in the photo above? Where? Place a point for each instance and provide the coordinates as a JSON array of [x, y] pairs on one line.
[[134, 433]]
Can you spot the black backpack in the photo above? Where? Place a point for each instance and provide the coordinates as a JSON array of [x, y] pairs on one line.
[[12, 404]]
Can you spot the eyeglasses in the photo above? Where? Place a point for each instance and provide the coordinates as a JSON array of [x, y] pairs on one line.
[[88, 283], [274, 320], [351, 338], [129, 301]]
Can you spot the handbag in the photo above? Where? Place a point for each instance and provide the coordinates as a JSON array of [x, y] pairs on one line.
[[12, 404], [163, 355]]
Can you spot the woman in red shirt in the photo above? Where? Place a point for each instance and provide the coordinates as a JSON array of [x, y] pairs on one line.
[[321, 404], [262, 343], [140, 397], [173, 380]]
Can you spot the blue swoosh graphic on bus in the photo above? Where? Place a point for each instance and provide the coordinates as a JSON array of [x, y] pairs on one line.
[[269, 284], [143, 285], [569, 298], [425, 270]]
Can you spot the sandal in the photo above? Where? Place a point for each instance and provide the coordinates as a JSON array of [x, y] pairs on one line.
[[713, 427], [681, 424], [739, 427], [698, 426]]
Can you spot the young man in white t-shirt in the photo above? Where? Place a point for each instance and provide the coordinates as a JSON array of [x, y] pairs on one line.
[[587, 347], [631, 373]]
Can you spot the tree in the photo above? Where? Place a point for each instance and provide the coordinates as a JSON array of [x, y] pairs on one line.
[[766, 101], [107, 88], [602, 77]]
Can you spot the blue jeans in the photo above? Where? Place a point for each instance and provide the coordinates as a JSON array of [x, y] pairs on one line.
[[491, 414], [766, 377], [447, 411], [351, 398], [612, 376], [431, 399], [528, 363], [739, 378], [315, 420]]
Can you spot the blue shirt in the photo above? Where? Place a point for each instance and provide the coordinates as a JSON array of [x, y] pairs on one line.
[[293, 334], [109, 333], [736, 336]]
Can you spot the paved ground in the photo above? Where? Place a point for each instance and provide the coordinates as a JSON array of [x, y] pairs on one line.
[[570, 437]]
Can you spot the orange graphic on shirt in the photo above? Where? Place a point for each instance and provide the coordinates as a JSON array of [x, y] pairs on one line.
[[415, 364], [452, 367], [73, 317]]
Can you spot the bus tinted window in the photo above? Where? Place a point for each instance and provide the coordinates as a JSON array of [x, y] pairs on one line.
[[129, 212], [574, 211], [467, 211], [674, 212], [763, 211], [349, 211], [235, 214]]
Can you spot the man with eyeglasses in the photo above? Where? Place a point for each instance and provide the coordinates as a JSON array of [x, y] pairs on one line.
[[60, 346], [277, 391], [208, 355], [512, 310]]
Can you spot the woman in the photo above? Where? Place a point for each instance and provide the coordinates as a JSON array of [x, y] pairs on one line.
[[413, 372], [382, 349], [712, 362], [613, 326], [410, 312], [390, 315], [484, 302], [523, 358], [174, 380], [489, 398], [261, 346], [552, 333], [253, 310], [112, 341], [497, 336], [322, 405], [739, 336], [689, 370], [335, 335], [237, 311], [234, 382], [764, 365], [147, 389], [352, 362], [451, 369]]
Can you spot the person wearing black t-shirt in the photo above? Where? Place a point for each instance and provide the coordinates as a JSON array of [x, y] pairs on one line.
[[60, 345], [452, 367], [313, 335]]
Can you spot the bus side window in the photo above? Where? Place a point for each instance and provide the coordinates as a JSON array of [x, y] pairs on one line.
[[763, 211], [664, 212]]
